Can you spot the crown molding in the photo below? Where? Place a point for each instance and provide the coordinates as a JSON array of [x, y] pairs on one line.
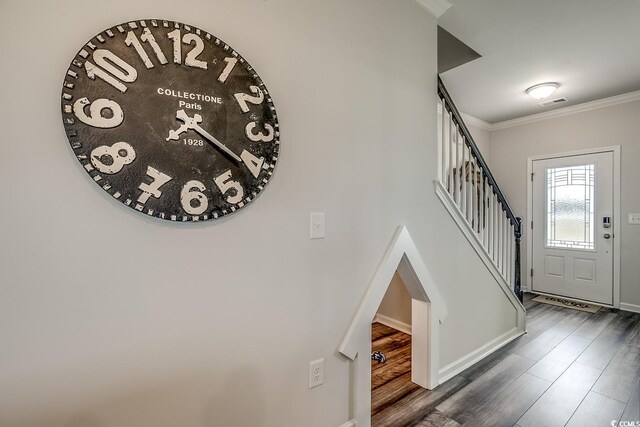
[[476, 122], [435, 7], [574, 109], [470, 120]]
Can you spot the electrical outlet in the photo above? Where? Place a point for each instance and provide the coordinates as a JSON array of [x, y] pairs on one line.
[[634, 218], [316, 373]]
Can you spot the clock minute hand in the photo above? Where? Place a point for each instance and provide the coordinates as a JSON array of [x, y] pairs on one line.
[[215, 142]]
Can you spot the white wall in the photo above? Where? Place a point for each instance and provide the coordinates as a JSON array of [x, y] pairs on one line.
[[112, 319], [615, 125], [396, 303], [482, 137]]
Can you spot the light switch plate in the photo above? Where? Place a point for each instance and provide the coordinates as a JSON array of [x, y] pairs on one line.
[[634, 218], [317, 225]]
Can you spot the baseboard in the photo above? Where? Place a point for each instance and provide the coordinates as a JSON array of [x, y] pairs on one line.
[[453, 369], [630, 307], [351, 423], [393, 323]]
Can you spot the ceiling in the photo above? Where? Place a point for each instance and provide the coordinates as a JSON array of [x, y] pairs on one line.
[[590, 47]]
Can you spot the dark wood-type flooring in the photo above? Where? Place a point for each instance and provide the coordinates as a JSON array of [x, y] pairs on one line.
[[571, 368]]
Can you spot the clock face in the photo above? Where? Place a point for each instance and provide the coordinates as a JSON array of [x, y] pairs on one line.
[[170, 120]]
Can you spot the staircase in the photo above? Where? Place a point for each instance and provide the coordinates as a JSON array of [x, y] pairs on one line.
[[471, 194]]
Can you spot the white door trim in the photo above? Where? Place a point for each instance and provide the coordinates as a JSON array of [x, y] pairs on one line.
[[616, 211]]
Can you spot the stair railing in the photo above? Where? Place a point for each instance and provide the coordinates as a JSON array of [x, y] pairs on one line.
[[468, 180]]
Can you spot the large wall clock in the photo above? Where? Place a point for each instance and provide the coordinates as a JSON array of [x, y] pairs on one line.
[[170, 120]]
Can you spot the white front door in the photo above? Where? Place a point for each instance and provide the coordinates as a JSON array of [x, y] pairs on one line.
[[573, 229]]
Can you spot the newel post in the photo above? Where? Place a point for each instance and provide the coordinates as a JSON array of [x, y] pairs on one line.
[[517, 286]]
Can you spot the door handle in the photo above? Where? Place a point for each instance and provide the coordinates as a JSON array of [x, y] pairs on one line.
[[607, 236]]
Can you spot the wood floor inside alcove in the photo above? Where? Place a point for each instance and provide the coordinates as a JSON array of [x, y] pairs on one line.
[[572, 368]]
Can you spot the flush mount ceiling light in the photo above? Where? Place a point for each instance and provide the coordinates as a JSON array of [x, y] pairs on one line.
[[543, 90]]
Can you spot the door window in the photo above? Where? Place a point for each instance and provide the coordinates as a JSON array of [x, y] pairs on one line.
[[570, 207]]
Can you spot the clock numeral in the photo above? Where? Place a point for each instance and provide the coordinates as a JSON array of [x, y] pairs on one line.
[[148, 38], [153, 189], [231, 63], [243, 98], [111, 160], [226, 184], [259, 137], [191, 58], [193, 201], [253, 163], [110, 68], [97, 107], [177, 47]]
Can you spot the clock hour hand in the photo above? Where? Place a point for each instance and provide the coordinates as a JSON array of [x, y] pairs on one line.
[[189, 123], [175, 134], [192, 123]]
